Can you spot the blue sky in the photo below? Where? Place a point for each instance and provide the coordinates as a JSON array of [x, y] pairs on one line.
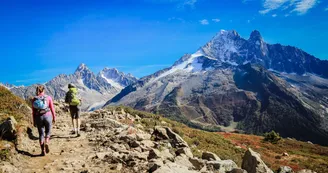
[[41, 39]]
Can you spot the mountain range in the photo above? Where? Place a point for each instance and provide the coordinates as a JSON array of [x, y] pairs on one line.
[[94, 90], [240, 84], [231, 84]]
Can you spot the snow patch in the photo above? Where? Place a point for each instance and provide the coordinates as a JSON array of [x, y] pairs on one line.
[[190, 65], [112, 82]]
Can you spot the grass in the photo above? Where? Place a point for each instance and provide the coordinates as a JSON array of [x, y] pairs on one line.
[[302, 155], [11, 105], [232, 146]]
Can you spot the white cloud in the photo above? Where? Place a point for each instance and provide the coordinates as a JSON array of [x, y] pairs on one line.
[[176, 18], [248, 21], [204, 22], [326, 9], [216, 20], [187, 3], [304, 5], [274, 15], [299, 6]]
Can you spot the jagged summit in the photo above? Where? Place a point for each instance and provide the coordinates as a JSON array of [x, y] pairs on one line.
[[255, 35], [81, 67]]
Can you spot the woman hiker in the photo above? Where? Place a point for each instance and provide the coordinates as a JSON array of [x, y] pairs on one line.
[[44, 115]]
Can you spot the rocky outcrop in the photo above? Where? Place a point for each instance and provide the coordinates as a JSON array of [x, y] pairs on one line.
[[253, 163], [139, 149], [8, 129]]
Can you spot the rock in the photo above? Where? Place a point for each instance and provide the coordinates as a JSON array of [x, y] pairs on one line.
[[154, 154], [285, 154], [309, 142], [184, 160], [166, 155], [160, 133], [197, 163], [252, 163], [102, 155], [147, 143], [117, 147], [174, 168], [8, 129], [222, 165], [140, 156], [185, 151], [176, 141], [238, 170], [285, 169], [144, 136], [210, 156], [153, 166], [134, 144], [306, 171]]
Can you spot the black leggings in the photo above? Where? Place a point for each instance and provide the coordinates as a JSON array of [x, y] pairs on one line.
[[44, 124]]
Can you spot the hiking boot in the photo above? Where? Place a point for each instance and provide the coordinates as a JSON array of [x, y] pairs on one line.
[[43, 153], [46, 146]]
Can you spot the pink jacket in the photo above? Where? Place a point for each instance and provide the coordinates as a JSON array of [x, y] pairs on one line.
[[51, 106]]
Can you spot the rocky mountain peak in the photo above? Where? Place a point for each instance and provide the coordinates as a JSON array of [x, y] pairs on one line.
[[82, 67], [255, 35]]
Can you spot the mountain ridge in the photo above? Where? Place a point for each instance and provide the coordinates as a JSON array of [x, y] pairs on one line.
[[93, 89], [202, 88]]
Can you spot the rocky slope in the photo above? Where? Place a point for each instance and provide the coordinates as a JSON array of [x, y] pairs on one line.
[[283, 90], [94, 89], [114, 140]]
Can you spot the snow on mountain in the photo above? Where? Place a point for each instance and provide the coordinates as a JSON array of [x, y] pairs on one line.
[[115, 78]]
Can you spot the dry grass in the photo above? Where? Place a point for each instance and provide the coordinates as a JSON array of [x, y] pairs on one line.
[[11, 105], [302, 155]]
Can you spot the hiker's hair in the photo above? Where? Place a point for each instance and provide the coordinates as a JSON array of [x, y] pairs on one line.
[[39, 89]]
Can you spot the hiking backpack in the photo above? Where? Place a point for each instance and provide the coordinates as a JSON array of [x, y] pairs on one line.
[[72, 99], [41, 105]]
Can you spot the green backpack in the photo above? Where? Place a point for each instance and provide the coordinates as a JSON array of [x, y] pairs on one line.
[[71, 98]]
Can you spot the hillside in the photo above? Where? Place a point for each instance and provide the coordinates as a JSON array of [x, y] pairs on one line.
[[12, 106], [120, 139]]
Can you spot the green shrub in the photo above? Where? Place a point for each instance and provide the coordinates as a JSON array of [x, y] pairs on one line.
[[272, 137]]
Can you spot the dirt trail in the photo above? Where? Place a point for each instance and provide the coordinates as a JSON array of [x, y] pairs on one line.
[[68, 153]]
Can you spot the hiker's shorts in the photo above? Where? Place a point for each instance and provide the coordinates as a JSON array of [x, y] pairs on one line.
[[75, 111], [44, 124]]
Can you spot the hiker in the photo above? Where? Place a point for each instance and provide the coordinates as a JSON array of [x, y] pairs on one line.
[[44, 115], [74, 107]]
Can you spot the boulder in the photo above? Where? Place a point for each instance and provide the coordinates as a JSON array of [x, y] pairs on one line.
[[175, 139], [285, 169], [210, 156], [197, 163], [252, 163], [8, 129], [143, 136], [160, 133], [154, 165], [186, 151], [222, 166], [154, 154]]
